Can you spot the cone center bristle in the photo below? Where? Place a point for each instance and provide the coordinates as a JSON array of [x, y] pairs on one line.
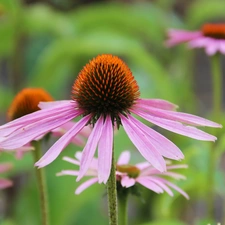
[[131, 171], [105, 86], [216, 31]]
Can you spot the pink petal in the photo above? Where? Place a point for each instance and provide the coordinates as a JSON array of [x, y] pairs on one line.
[[157, 103], [94, 162], [14, 125], [164, 146], [90, 147], [85, 185], [143, 165], [143, 144], [222, 46], [212, 48], [30, 132], [174, 175], [174, 187], [62, 103], [56, 149], [105, 152], [5, 183], [162, 185], [148, 183], [179, 116], [68, 172], [127, 181], [176, 127], [70, 160], [124, 158], [183, 166]]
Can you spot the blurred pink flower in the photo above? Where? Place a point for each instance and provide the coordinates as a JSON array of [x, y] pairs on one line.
[[128, 175], [5, 183], [211, 37], [105, 93]]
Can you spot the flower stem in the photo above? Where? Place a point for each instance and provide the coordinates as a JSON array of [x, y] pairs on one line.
[[217, 105], [122, 206], [112, 194], [40, 173]]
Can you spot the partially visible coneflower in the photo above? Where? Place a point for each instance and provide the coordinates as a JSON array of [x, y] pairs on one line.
[[128, 175], [105, 94], [5, 183], [211, 37]]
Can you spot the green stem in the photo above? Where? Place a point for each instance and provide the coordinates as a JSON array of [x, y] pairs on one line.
[[122, 206], [217, 106], [112, 194], [42, 186]]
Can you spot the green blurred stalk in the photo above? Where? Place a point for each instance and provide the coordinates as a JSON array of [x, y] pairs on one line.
[[217, 106], [112, 194], [122, 206], [42, 186]]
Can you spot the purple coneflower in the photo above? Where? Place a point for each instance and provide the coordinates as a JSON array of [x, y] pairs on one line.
[[211, 37], [105, 94], [128, 175]]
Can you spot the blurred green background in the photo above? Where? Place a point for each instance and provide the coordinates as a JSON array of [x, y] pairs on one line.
[[45, 43]]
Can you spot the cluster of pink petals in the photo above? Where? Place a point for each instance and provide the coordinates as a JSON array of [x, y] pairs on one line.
[[152, 145], [149, 177], [195, 39], [5, 183]]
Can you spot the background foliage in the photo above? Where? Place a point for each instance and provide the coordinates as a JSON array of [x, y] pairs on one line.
[[46, 44]]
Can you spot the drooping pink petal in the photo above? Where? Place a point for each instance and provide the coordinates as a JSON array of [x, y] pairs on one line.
[[176, 127], [179, 116], [70, 160], [174, 187], [174, 175], [28, 133], [222, 46], [14, 125], [85, 185], [68, 172], [124, 158], [90, 147], [212, 48], [156, 103], [164, 146], [182, 166], [56, 149], [143, 165], [105, 151], [148, 183], [162, 185], [94, 162], [143, 144], [62, 103], [127, 181], [4, 183]]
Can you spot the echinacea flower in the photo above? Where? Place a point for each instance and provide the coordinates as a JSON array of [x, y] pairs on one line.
[[128, 175], [5, 183], [211, 37], [105, 94]]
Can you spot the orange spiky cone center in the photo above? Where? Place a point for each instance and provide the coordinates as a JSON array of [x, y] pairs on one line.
[[216, 31]]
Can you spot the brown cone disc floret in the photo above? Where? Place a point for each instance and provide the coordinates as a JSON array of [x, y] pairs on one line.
[[105, 86], [214, 31]]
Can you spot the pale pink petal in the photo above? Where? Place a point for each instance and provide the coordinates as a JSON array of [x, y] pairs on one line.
[[222, 46], [179, 116], [85, 185], [176, 176], [68, 172], [143, 165], [14, 125], [4, 167], [174, 187], [212, 48], [180, 36], [29, 132], [176, 127], [164, 146], [143, 144], [127, 181], [157, 103], [124, 158], [90, 147], [4, 183], [105, 151], [162, 185], [148, 183], [56, 149], [62, 103], [199, 42], [70, 160], [183, 166]]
